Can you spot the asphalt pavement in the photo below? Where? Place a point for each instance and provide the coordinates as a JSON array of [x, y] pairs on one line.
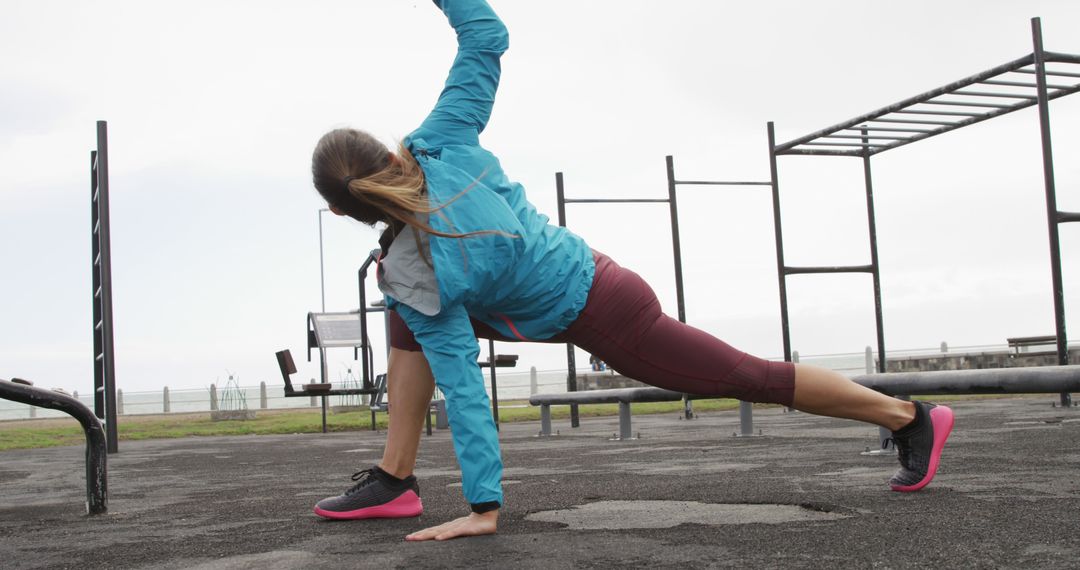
[[686, 494]]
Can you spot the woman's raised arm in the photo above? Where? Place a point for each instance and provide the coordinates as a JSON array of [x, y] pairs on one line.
[[464, 107]]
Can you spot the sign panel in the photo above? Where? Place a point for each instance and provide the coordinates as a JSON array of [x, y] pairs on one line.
[[337, 329]]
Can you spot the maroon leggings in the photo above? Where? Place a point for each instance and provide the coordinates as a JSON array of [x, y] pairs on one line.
[[622, 324]]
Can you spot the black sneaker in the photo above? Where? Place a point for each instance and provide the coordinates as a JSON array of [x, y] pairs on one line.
[[919, 445], [376, 495]]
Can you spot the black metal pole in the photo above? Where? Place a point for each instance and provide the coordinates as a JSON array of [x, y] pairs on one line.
[[675, 245], [365, 344], [494, 386], [1051, 201], [872, 225], [676, 249], [361, 277], [105, 251], [571, 358], [781, 275]]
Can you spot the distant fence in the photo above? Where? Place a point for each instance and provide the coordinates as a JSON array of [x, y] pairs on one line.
[[512, 385], [518, 385]]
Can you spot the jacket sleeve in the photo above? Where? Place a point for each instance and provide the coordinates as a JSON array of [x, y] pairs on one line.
[[449, 343], [464, 107]]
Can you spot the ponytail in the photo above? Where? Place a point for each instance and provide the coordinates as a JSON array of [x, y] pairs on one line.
[[358, 175]]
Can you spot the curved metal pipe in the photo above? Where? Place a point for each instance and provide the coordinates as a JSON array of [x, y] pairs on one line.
[[96, 452]]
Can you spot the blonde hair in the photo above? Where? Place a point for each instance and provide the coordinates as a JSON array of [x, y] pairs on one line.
[[358, 175]]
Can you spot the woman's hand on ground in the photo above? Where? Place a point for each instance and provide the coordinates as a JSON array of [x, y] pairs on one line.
[[472, 525]]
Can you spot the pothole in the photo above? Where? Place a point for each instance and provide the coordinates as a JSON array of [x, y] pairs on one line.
[[618, 515]]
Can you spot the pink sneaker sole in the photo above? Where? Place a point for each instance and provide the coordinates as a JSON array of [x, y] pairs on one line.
[[406, 505], [941, 417]]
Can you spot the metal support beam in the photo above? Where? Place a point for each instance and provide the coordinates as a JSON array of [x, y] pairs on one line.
[[829, 269], [746, 420], [781, 269], [571, 357], [368, 358], [1051, 201], [875, 269], [673, 205], [545, 420], [625, 431], [680, 299], [1030, 380]]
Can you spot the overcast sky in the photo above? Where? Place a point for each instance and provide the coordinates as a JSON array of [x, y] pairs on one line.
[[214, 108]]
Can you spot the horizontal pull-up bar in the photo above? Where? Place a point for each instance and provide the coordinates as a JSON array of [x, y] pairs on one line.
[[888, 129], [1022, 84], [968, 104], [832, 269], [925, 112], [917, 122], [860, 145], [989, 94], [866, 137], [1060, 57], [614, 200], [721, 183], [1054, 73]]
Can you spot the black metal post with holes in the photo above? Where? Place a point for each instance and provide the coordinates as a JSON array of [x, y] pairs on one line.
[[571, 357], [101, 287], [95, 290], [1051, 200]]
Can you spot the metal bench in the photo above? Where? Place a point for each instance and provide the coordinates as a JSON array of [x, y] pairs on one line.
[[23, 391], [1020, 344], [622, 396], [314, 389], [1029, 380]]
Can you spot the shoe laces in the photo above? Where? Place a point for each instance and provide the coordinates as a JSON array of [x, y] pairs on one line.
[[364, 477], [902, 448]]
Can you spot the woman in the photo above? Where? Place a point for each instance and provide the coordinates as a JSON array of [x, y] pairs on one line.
[[466, 255]]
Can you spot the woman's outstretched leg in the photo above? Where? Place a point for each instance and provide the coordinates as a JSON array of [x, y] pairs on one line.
[[827, 393], [919, 429], [623, 325]]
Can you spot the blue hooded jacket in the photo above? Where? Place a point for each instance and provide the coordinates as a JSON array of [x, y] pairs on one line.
[[528, 279]]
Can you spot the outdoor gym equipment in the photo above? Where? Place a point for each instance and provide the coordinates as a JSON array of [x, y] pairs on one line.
[[23, 391]]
